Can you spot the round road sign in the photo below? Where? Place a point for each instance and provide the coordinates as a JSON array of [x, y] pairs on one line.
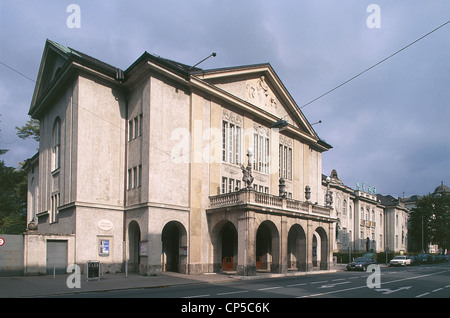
[[2, 241]]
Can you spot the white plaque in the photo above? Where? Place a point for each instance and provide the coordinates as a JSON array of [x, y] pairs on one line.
[[105, 225]]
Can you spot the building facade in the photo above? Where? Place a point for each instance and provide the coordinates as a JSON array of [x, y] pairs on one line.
[[167, 167], [367, 221]]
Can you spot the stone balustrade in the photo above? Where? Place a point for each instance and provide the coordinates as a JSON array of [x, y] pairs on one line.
[[266, 201]]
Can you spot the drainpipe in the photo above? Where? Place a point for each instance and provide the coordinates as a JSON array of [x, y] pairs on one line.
[[120, 77]]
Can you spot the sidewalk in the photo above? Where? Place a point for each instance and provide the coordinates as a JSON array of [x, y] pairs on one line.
[[41, 286]]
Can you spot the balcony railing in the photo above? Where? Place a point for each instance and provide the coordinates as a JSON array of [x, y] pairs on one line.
[[264, 200]]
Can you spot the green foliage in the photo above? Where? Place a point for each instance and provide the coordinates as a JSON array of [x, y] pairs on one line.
[[432, 217], [13, 199], [29, 130]]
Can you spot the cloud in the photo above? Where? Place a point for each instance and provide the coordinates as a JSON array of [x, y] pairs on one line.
[[388, 127]]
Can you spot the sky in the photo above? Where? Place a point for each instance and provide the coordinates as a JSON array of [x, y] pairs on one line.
[[389, 127]]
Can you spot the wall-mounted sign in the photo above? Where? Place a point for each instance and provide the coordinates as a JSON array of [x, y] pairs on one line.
[[103, 247], [105, 225], [2, 241], [93, 270], [143, 248]]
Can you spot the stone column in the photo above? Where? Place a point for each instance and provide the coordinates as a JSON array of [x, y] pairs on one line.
[[246, 265], [283, 263], [309, 246]]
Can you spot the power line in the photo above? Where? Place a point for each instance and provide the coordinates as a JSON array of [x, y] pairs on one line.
[[14, 70], [371, 67]]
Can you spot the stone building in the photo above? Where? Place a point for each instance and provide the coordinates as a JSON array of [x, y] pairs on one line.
[[167, 167], [366, 221]]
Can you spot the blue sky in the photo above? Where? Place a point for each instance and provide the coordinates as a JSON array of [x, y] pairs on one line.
[[389, 127]]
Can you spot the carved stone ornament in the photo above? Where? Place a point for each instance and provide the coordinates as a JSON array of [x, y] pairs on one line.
[[232, 117], [259, 93]]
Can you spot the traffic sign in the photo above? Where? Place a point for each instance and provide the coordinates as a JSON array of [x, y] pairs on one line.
[[2, 241]]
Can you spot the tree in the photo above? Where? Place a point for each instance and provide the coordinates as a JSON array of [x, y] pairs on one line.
[[29, 130], [430, 221], [13, 199], [13, 187]]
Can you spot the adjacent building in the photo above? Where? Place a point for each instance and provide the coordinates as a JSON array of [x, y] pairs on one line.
[[366, 221]]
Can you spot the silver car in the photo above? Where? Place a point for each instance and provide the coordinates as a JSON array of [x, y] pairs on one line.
[[400, 261]]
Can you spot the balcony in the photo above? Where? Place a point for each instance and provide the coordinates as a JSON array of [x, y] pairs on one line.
[[250, 199]]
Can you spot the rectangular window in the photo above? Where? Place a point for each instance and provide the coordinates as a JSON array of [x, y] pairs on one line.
[[285, 162], [130, 179], [140, 124], [139, 175], [261, 151], [54, 207], [231, 143], [135, 177], [230, 185], [130, 130], [224, 185], [136, 127], [224, 140]]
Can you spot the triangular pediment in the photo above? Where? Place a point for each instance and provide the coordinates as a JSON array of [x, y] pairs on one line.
[[53, 60], [261, 87]]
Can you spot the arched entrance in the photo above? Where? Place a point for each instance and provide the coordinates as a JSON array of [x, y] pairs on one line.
[[297, 248], [134, 237], [267, 247], [323, 251], [174, 247], [228, 236]]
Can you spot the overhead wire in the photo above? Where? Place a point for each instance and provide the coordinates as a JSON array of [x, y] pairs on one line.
[[300, 107], [371, 67]]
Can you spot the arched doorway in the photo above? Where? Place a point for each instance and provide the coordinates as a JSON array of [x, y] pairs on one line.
[[174, 247], [267, 247], [134, 237], [228, 236], [297, 248], [323, 244], [315, 250]]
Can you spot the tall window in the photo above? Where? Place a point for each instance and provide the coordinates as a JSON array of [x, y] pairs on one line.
[[135, 127], [56, 146], [231, 142], [285, 162], [261, 150]]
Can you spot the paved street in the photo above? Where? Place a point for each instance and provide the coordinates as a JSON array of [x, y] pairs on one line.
[[412, 282]]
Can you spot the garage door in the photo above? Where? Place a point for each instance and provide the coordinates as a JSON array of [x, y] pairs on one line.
[[56, 257]]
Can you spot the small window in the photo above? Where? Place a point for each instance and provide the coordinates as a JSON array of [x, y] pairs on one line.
[[130, 179], [135, 177]]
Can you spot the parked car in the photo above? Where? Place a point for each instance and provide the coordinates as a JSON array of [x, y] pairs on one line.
[[439, 259], [400, 260], [424, 259], [414, 259], [361, 264]]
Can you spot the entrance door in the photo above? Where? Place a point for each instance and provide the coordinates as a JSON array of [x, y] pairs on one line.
[[227, 263], [229, 246], [267, 247], [56, 257]]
